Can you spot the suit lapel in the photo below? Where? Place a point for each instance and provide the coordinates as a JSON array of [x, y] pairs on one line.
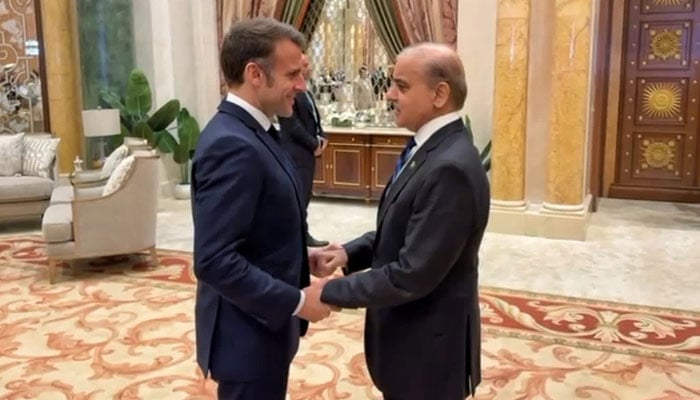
[[309, 106], [392, 191], [279, 154]]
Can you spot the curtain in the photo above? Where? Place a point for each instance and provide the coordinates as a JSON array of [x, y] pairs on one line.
[[388, 25], [230, 11], [429, 20], [309, 21]]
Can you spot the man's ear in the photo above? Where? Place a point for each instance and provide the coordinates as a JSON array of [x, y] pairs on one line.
[[253, 73], [442, 95]]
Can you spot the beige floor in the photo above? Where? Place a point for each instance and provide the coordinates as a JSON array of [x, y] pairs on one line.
[[637, 252]]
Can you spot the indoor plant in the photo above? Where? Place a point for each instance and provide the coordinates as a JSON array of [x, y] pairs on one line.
[[188, 135], [134, 110]]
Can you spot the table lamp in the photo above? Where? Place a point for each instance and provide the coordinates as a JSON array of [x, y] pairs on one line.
[[97, 125]]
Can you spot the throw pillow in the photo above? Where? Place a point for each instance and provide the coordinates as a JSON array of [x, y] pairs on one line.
[[39, 154], [113, 160], [11, 154], [118, 177]]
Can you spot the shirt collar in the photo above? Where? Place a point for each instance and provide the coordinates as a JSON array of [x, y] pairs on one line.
[[428, 129], [259, 116]]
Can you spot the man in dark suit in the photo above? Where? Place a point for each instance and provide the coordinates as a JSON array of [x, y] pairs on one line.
[[249, 250], [422, 332], [304, 140]]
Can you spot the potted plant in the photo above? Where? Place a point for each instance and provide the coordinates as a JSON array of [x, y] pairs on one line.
[[134, 111], [486, 151], [188, 135]]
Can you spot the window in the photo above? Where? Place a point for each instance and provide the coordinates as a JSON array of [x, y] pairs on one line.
[[350, 66]]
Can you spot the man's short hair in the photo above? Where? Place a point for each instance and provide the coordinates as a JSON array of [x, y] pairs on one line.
[[437, 70], [254, 40]]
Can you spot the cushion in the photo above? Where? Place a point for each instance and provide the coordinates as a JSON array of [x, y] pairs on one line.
[[118, 177], [62, 194], [39, 153], [11, 154], [24, 188], [57, 224], [113, 160]]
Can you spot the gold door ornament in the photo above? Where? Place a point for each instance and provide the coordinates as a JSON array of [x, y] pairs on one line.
[[662, 100], [668, 2], [658, 154], [665, 44]]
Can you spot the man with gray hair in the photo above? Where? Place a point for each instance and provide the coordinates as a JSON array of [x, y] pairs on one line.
[[422, 331]]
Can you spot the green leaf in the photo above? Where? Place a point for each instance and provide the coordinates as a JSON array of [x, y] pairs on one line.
[[164, 116], [138, 94], [113, 99], [188, 135], [165, 142], [143, 130], [125, 131]]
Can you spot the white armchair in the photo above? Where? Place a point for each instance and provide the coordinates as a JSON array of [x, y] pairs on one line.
[[120, 222]]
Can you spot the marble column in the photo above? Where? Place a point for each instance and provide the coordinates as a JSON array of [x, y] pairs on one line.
[[510, 104], [59, 24], [569, 114]]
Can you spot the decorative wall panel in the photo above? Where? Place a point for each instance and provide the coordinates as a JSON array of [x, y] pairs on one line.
[[21, 100]]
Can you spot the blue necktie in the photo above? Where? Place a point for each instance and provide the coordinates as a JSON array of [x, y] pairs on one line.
[[403, 157]]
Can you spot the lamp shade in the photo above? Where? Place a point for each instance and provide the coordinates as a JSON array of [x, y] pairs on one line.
[[101, 122]]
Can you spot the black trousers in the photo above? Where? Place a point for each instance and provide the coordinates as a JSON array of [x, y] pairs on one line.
[[254, 390]]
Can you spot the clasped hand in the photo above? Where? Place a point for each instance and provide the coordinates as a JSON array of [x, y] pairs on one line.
[[323, 262]]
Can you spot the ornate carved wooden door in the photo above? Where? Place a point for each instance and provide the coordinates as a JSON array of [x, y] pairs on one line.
[[658, 153]]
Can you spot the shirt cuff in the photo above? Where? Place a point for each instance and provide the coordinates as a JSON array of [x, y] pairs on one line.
[[302, 299]]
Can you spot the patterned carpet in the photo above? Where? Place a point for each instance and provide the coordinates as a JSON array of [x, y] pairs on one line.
[[122, 330]]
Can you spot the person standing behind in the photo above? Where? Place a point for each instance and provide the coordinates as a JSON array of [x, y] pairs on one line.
[[249, 254], [304, 140], [422, 331]]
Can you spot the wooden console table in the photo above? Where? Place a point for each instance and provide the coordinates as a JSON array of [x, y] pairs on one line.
[[358, 162]]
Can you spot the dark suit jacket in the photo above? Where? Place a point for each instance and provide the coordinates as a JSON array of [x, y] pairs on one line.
[[422, 333], [250, 257], [298, 132]]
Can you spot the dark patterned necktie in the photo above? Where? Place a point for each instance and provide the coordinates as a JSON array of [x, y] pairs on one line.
[[403, 157]]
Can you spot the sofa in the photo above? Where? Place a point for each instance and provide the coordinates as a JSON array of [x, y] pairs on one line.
[[28, 173]]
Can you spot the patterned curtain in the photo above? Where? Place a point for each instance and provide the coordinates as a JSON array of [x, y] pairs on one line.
[[429, 20], [293, 12], [309, 20], [400, 23], [389, 25], [230, 11]]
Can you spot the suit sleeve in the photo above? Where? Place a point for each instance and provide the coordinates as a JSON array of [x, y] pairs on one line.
[[296, 131], [359, 253], [437, 232], [228, 185]]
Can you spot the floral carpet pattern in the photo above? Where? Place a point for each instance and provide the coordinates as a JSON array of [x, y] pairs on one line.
[[117, 328]]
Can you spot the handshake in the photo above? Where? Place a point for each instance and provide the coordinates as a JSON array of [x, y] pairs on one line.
[[323, 263]]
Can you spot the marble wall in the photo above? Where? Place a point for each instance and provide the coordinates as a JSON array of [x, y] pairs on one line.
[[570, 103], [541, 111], [509, 112]]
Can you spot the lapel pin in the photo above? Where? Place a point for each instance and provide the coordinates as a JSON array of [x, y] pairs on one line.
[[413, 164]]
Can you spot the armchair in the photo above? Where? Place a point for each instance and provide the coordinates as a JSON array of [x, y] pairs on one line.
[[120, 222]]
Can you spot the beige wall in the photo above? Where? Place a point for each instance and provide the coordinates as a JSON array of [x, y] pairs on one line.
[[476, 44], [176, 47]]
